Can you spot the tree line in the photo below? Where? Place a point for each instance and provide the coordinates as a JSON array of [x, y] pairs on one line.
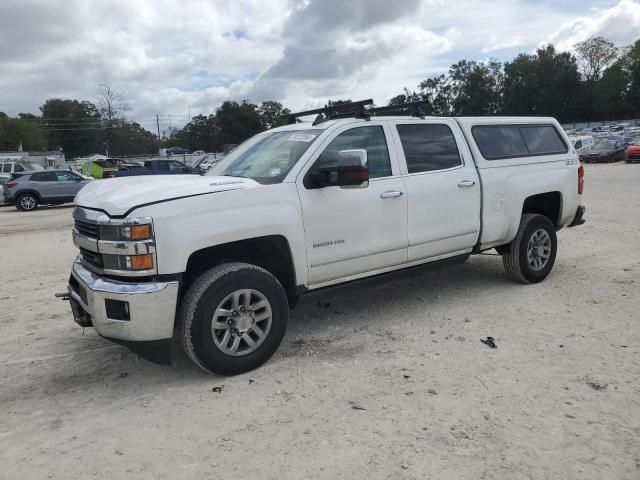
[[598, 82]]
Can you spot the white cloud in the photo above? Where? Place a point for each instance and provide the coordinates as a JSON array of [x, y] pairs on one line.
[[169, 56], [619, 24]]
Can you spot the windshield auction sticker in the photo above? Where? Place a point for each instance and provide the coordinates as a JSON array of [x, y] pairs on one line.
[[302, 137]]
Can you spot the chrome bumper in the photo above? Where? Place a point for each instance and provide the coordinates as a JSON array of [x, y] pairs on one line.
[[151, 305]]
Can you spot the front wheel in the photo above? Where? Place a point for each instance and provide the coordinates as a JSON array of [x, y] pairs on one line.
[[27, 202], [233, 318], [531, 255]]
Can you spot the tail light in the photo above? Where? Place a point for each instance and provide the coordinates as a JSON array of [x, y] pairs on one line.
[[10, 184], [580, 179]]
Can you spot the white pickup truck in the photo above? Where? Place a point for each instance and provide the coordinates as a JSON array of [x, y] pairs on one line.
[[217, 261]]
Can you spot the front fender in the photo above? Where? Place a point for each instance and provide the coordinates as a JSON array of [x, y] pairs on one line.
[[184, 226]]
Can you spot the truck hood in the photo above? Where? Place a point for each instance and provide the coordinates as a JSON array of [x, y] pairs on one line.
[[119, 195]]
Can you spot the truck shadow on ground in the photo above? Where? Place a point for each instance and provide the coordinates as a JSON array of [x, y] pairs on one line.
[[100, 366]]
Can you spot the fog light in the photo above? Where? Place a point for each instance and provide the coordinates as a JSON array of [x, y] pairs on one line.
[[117, 310], [140, 262]]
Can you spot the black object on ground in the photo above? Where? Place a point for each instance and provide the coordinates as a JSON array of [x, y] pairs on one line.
[[489, 342]]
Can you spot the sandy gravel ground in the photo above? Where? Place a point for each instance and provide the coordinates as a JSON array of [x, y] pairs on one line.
[[384, 382]]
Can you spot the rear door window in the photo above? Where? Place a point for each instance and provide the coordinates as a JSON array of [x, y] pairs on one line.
[[6, 168], [428, 147]]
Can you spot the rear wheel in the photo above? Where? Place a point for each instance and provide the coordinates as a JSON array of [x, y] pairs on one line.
[[233, 318], [27, 202], [532, 253]]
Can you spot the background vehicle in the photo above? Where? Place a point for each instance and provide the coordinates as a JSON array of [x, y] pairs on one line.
[[204, 163], [307, 206], [17, 167], [157, 167], [632, 154], [100, 168], [606, 151], [583, 144], [27, 190], [3, 179]]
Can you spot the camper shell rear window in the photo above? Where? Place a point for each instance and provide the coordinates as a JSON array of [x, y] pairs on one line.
[[499, 142]]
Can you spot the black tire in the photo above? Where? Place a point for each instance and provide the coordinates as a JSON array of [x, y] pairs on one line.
[[27, 202], [205, 295], [515, 260]]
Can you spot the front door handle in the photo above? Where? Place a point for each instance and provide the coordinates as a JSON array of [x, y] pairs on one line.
[[466, 183], [391, 194]]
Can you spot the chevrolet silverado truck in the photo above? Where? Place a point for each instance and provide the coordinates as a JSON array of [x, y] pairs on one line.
[[217, 261]]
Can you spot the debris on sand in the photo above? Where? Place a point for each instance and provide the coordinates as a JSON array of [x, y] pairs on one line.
[[489, 342], [217, 389], [597, 386]]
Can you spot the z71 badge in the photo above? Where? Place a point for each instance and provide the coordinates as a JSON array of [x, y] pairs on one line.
[[326, 244]]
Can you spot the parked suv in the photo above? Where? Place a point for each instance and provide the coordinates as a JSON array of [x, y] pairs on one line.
[[218, 260], [27, 190], [19, 167]]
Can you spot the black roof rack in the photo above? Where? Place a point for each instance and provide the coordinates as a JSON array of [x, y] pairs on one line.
[[411, 108], [358, 110], [341, 110]]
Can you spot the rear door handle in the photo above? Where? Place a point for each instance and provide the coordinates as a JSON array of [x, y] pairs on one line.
[[466, 183], [391, 194]]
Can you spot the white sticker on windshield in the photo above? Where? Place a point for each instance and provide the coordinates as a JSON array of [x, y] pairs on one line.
[[302, 137], [274, 172]]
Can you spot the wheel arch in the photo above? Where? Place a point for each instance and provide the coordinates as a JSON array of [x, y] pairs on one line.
[[34, 192], [548, 204], [271, 252]]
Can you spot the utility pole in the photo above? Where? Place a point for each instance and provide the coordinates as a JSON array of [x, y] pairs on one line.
[[158, 125]]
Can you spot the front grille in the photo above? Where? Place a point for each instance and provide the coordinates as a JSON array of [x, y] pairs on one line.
[[90, 257], [87, 229], [634, 156]]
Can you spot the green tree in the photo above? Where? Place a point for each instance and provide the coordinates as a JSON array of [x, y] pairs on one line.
[[71, 125], [405, 97], [545, 84], [438, 91], [237, 121], [611, 93], [632, 61], [272, 114], [476, 87], [16, 131], [595, 55], [130, 138], [201, 133]]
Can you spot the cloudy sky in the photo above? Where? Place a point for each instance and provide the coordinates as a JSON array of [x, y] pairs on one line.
[[174, 56]]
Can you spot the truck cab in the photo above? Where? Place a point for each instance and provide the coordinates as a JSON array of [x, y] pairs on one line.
[[218, 260]]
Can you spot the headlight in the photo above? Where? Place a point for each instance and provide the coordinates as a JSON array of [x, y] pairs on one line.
[[133, 229]]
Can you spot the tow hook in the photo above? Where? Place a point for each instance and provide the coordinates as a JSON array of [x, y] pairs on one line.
[[64, 296]]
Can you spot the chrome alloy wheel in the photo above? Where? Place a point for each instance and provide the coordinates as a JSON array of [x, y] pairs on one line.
[[241, 323], [539, 249], [27, 202]]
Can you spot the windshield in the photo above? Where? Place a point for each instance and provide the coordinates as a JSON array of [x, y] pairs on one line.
[[34, 166], [267, 157]]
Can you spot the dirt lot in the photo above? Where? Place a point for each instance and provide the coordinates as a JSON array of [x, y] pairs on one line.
[[384, 382]]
